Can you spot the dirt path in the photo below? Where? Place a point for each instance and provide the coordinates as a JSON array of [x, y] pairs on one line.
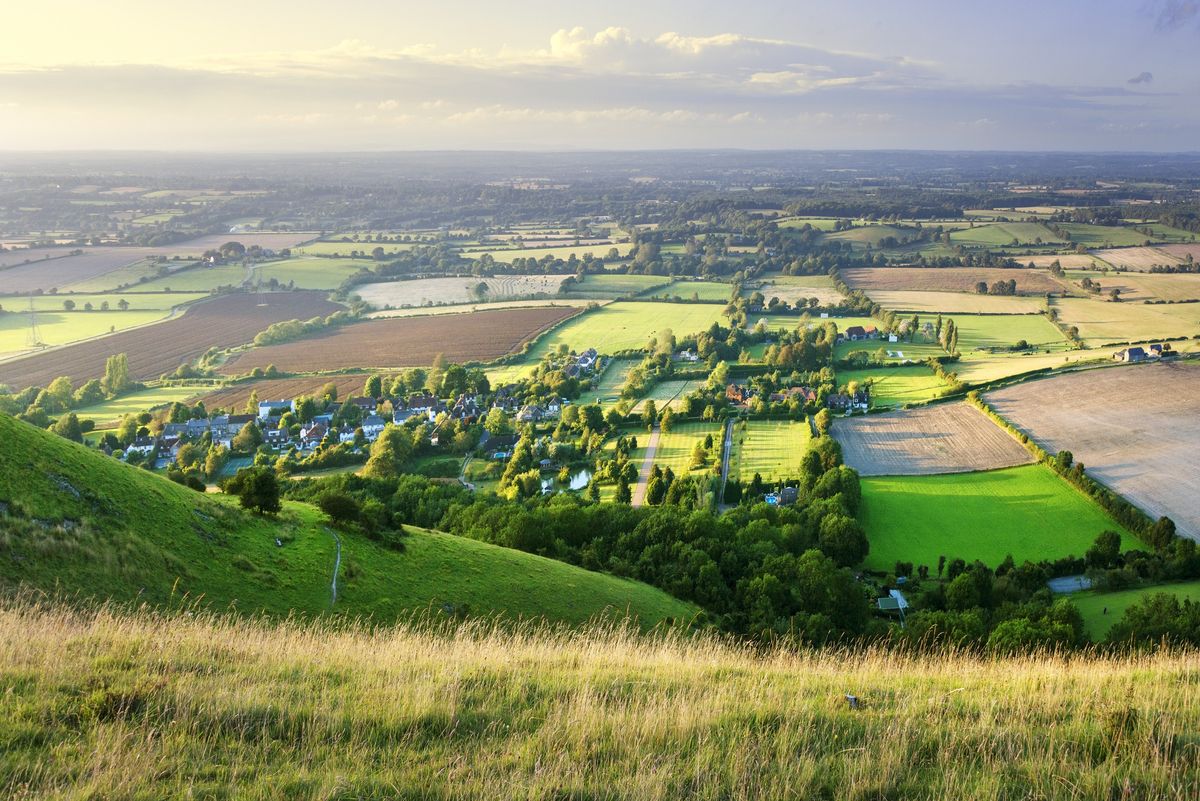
[[639, 492], [337, 566], [726, 450]]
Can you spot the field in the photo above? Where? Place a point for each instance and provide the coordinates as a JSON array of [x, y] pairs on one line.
[[1144, 286], [1065, 260], [956, 302], [335, 247], [616, 285], [1101, 610], [1002, 331], [111, 411], [895, 386], [428, 291], [63, 328], [608, 391], [234, 396], [771, 448], [140, 537], [1139, 259], [564, 252], [675, 447], [1183, 251], [791, 288], [1004, 234], [1028, 512], [133, 277], [1103, 236], [1137, 429], [948, 279], [668, 393], [19, 278], [789, 322], [309, 273], [404, 342], [1102, 321], [621, 326], [945, 438], [692, 290], [871, 235], [156, 349], [200, 278]]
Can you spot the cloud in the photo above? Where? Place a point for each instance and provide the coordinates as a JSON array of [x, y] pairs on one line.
[[1142, 77], [1171, 15]]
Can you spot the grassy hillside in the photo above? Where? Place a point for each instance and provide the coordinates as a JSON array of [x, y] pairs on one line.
[[79, 522], [224, 708]]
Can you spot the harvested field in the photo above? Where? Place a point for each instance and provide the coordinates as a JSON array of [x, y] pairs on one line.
[[427, 291], [52, 273], [1101, 321], [156, 349], [405, 341], [1066, 260], [235, 396], [946, 438], [271, 240], [1183, 251], [1138, 286], [948, 279], [1139, 259], [956, 302], [791, 288], [1137, 430]]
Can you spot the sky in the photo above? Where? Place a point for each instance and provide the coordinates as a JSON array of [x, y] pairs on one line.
[[268, 75]]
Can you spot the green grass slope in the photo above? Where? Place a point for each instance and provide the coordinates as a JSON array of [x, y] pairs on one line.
[[1101, 610], [78, 522]]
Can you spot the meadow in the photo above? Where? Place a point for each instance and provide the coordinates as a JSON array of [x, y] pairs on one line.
[[668, 393], [675, 446], [1144, 286], [316, 710], [309, 272], [773, 449], [200, 278], [948, 279], [896, 386], [564, 252], [63, 328], [1002, 234], [956, 302], [132, 276], [1027, 512], [1093, 605], [1103, 236], [692, 290], [1101, 321], [108, 413], [1003, 331], [616, 285], [623, 326], [793, 288]]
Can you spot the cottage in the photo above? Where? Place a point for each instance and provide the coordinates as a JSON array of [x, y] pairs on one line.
[[738, 393], [366, 405], [142, 446], [312, 435], [275, 408], [372, 426], [531, 413], [687, 356]]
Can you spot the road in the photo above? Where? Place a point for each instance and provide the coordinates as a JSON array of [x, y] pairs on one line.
[[726, 449], [639, 492]]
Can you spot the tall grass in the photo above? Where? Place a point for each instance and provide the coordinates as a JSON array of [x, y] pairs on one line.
[[113, 704]]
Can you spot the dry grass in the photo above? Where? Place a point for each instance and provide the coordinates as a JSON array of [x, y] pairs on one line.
[[1139, 259], [112, 705], [948, 279]]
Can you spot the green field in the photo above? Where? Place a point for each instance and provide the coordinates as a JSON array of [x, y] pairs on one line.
[[669, 393], [789, 322], [1100, 321], [127, 276], [1002, 234], [615, 285], [949, 303], [198, 279], [692, 290], [895, 386], [1092, 604], [338, 248], [111, 411], [62, 328], [1028, 512], [506, 255], [900, 351], [771, 448], [675, 447], [1103, 236], [872, 235], [622, 326], [608, 391], [188, 543], [311, 272], [820, 223], [1004, 330]]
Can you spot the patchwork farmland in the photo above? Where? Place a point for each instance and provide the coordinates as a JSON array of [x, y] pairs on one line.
[[944, 438], [1137, 429], [432, 291], [404, 342], [949, 279], [223, 322]]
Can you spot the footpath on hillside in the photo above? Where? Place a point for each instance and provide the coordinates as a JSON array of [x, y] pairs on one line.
[[639, 492]]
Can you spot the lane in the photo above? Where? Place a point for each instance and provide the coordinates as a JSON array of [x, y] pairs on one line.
[[726, 449], [639, 492]]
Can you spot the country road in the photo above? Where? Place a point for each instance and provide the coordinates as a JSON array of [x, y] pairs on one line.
[[639, 492], [726, 449]]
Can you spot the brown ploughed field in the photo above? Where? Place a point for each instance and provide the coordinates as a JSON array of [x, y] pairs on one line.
[[945, 438], [405, 341], [949, 279], [222, 322], [1136, 429]]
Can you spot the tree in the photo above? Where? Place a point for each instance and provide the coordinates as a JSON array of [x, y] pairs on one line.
[[390, 451], [68, 305], [329, 392], [127, 431], [90, 393], [496, 422], [1161, 533], [433, 380], [842, 539], [667, 420], [62, 391], [1106, 550], [248, 439], [67, 427], [341, 508], [656, 490], [257, 488], [374, 387], [649, 414], [962, 593], [116, 374], [123, 304], [623, 493]]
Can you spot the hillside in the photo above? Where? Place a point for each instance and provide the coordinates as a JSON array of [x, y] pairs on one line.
[[75, 521], [307, 711]]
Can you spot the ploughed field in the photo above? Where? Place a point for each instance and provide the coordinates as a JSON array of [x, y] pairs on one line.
[[948, 279], [405, 341], [945, 438], [1136, 429], [156, 349]]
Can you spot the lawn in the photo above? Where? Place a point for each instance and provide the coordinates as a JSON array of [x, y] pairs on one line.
[[675, 447], [668, 393], [612, 379], [615, 285], [1103, 321], [1028, 512], [1092, 605], [895, 386], [1004, 330], [624, 326], [111, 411], [771, 448], [310, 272]]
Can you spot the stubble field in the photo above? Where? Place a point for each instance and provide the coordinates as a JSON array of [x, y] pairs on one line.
[[948, 279]]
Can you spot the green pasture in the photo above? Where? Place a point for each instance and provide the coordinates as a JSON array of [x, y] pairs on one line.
[[772, 448], [1092, 605], [895, 386]]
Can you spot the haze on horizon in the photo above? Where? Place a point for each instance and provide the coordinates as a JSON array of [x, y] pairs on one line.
[[363, 75]]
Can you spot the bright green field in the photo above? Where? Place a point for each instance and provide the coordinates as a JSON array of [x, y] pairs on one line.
[[129, 276], [138, 301], [675, 447], [668, 393], [111, 411], [1026, 511], [61, 328], [608, 391], [1092, 604], [771, 448], [1003, 330], [1001, 234], [895, 386], [1101, 236], [789, 322], [693, 290], [820, 223], [621, 326], [311, 272], [616, 285], [198, 279], [188, 542], [917, 351], [871, 234]]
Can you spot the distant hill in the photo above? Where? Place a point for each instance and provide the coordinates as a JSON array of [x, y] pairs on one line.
[[77, 522]]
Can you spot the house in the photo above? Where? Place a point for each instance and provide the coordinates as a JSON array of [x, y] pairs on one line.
[[366, 405], [372, 426], [424, 404], [800, 394], [141, 445], [1134, 354], [788, 495], [687, 356], [856, 333], [531, 413], [312, 434], [1160, 350], [738, 393], [842, 402], [276, 437], [275, 408], [401, 415]]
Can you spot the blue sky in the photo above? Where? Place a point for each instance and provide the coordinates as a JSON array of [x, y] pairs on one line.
[[372, 75]]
